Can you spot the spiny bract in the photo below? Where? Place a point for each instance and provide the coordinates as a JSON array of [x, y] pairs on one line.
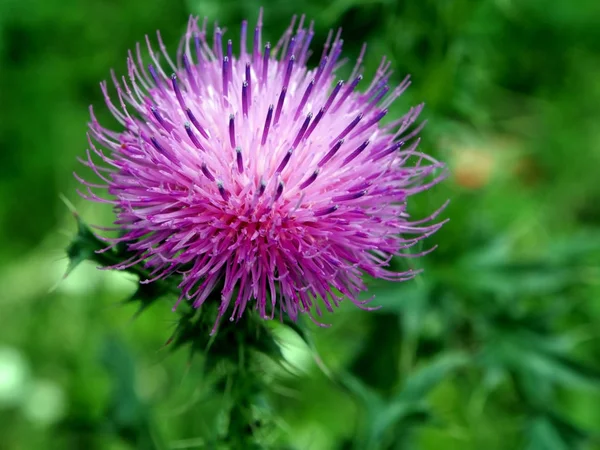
[[256, 176]]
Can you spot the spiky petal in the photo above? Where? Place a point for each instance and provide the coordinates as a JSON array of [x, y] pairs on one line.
[[257, 176]]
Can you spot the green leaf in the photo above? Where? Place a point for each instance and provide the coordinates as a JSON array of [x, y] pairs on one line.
[[419, 384], [526, 353], [300, 328], [147, 294], [386, 420], [543, 436], [83, 247], [126, 412], [501, 273]]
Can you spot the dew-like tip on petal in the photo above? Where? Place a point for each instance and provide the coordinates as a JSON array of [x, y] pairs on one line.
[[284, 161], [310, 179], [232, 130], [267, 125], [239, 160], [245, 99], [302, 130], [253, 172], [278, 192]]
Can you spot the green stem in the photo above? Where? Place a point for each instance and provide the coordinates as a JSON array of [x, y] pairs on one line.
[[241, 430]]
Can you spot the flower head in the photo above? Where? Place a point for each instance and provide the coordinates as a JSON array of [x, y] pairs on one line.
[[253, 175]]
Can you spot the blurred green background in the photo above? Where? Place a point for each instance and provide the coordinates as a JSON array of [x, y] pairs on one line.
[[495, 346]]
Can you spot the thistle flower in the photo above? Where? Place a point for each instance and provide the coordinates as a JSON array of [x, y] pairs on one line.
[[255, 176]]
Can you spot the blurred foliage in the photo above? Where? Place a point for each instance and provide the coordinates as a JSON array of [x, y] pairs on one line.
[[496, 345]]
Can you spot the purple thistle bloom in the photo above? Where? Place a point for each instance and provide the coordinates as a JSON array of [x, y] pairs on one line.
[[255, 175]]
